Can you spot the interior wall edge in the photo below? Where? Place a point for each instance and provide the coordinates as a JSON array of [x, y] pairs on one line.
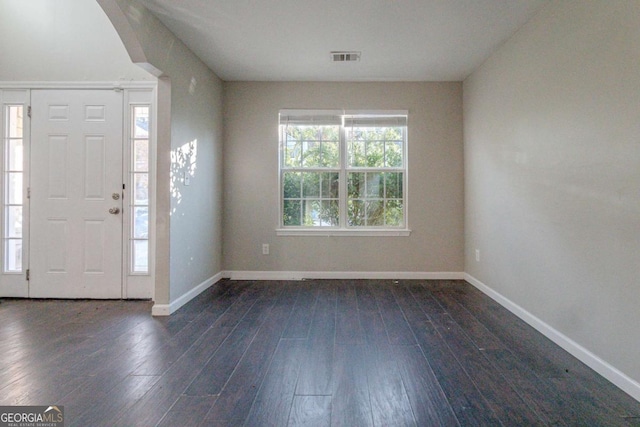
[[168, 309]]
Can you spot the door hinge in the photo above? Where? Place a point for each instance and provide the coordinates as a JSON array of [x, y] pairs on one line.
[[29, 111], [28, 192], [27, 274]]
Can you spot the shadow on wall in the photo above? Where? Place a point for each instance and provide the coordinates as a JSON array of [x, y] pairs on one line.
[[183, 169]]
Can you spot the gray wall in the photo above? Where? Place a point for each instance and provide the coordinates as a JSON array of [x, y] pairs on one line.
[[189, 218], [61, 40], [435, 179], [196, 148], [552, 174]]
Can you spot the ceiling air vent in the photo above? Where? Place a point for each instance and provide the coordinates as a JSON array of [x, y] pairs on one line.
[[345, 56]]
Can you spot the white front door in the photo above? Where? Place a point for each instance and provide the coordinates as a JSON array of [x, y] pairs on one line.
[[76, 193]]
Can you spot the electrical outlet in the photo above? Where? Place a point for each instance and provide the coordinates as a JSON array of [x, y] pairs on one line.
[[477, 255], [187, 178], [265, 249]]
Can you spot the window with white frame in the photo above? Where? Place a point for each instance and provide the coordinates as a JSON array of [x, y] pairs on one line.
[[13, 188], [139, 183], [343, 170]]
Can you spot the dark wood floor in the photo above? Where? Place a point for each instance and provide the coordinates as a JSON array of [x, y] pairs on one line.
[[309, 353]]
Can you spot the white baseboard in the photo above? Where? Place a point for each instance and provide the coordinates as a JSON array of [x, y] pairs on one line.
[[624, 382], [300, 275], [160, 310], [167, 309]]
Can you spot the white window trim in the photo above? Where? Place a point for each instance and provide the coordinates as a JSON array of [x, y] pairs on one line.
[[344, 231], [139, 284]]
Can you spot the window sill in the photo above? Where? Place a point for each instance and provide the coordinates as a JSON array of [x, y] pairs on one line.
[[342, 232]]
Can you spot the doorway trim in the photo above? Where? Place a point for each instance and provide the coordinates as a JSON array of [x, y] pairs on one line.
[[134, 286]]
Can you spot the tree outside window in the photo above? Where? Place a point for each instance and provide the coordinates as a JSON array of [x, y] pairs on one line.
[[342, 171]]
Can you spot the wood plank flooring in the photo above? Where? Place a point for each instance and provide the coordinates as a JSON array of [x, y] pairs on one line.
[[305, 353]]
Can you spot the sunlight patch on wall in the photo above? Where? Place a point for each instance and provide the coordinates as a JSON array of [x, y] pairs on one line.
[[183, 169]]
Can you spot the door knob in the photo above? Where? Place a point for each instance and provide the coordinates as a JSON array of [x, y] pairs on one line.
[[114, 211]]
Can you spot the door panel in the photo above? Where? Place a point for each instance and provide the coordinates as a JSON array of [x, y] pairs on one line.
[[76, 167]]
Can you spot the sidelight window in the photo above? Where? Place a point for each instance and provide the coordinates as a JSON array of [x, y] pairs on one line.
[[13, 188], [139, 184]]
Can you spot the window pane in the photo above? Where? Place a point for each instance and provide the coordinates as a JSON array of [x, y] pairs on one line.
[[375, 154], [393, 154], [375, 185], [13, 221], [320, 213], [15, 121], [310, 133], [292, 152], [393, 185], [141, 222], [393, 213], [291, 214], [310, 184], [14, 188], [311, 154], [329, 215], [330, 133], [330, 154], [140, 122], [15, 155], [355, 214], [355, 185], [354, 134], [140, 256], [141, 155], [394, 133], [357, 156], [292, 184], [311, 146], [375, 146], [375, 213], [330, 185], [311, 212], [368, 133], [141, 189], [13, 255]]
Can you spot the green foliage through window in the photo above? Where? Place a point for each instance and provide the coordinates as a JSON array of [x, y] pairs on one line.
[[312, 170]]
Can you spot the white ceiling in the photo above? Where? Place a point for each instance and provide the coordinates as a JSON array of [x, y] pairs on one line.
[[400, 40]]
